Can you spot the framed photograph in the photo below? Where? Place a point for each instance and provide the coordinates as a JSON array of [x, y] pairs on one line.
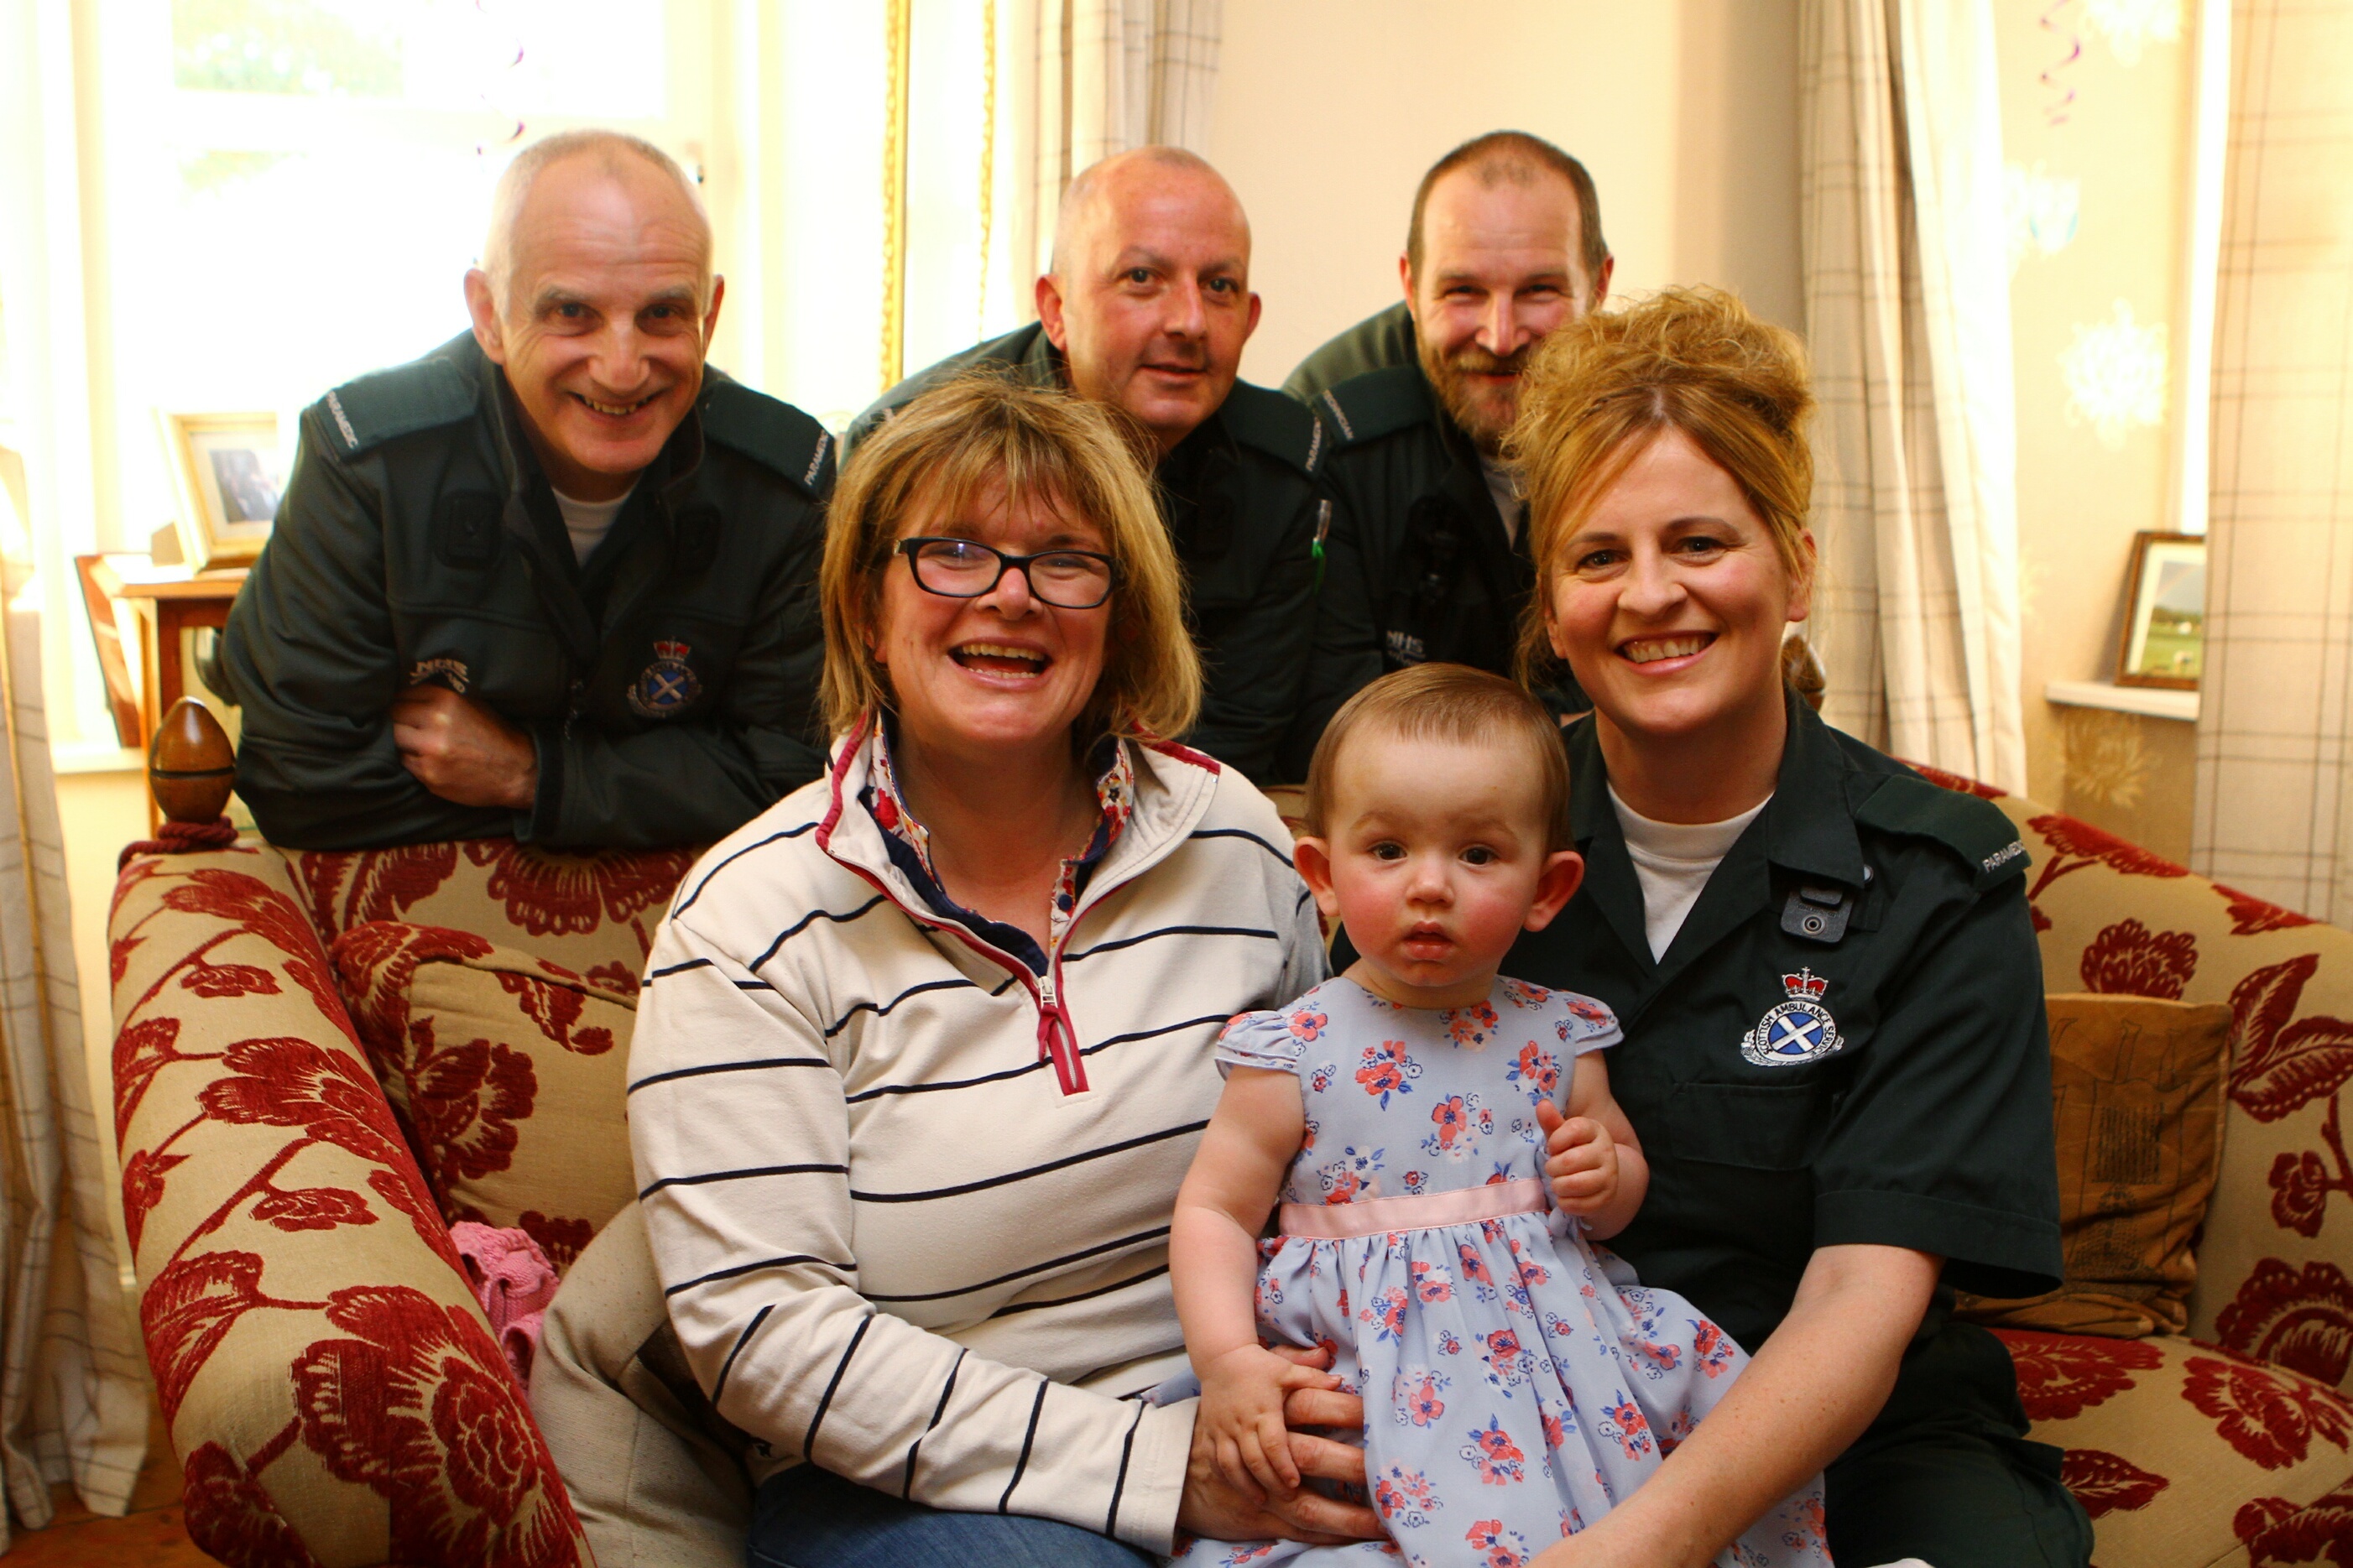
[[2165, 613], [226, 471]]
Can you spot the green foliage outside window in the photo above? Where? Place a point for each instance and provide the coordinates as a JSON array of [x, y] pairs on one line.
[[320, 49]]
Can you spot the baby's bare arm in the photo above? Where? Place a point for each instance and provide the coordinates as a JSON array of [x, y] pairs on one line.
[[1213, 1261], [1594, 1159]]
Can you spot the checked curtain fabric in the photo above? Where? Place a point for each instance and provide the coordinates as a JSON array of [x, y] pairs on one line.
[[1109, 75], [1907, 319], [2275, 731], [73, 1379]]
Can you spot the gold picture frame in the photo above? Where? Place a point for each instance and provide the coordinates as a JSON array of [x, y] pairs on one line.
[[225, 471], [2164, 642]]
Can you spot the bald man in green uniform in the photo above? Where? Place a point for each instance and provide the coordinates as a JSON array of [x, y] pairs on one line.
[[1146, 308], [555, 579]]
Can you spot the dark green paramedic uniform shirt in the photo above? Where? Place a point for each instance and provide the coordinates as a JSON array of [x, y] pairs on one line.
[[1918, 1115], [1381, 339], [1845, 1043], [1420, 566], [668, 684]]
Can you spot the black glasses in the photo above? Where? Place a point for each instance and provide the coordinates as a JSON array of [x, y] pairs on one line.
[[965, 569]]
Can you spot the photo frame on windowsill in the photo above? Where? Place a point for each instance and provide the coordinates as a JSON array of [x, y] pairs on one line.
[[2164, 642], [225, 470]]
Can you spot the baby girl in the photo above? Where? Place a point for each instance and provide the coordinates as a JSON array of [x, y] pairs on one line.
[[1435, 1203]]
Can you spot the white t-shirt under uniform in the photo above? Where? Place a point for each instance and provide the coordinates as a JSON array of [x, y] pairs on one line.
[[1673, 860], [588, 522], [1503, 488]]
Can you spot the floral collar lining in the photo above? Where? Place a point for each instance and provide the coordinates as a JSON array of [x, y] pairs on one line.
[[908, 844]]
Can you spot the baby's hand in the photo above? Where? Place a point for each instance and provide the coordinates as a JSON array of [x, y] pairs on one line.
[[1241, 1413], [1583, 1163]]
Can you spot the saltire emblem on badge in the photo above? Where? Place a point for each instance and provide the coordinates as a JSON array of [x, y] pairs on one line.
[[666, 685], [1798, 1030]]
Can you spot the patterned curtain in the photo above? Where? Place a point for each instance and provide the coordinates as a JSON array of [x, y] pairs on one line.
[[1111, 75], [1907, 316], [73, 1378], [2274, 815]]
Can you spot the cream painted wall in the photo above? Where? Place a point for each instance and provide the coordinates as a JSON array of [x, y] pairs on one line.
[[2125, 138], [1686, 110], [1328, 111]]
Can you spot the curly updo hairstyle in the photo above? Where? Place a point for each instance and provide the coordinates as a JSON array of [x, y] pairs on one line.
[[1600, 390]]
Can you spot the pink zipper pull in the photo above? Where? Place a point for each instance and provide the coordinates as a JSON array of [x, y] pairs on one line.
[[1058, 1038]]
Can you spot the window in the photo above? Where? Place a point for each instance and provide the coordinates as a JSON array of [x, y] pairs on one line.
[[826, 111], [277, 196], [291, 190]]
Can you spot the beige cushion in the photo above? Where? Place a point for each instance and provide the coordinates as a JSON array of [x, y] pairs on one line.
[[591, 911], [651, 1469], [508, 1072], [2113, 918]]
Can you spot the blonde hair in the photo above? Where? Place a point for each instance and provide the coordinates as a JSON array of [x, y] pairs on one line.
[[1600, 390], [984, 436], [1447, 702]]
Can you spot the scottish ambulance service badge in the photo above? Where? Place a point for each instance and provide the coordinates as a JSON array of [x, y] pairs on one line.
[[666, 685], [1797, 1030]]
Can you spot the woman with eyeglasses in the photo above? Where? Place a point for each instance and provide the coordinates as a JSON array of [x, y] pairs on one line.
[[924, 1050]]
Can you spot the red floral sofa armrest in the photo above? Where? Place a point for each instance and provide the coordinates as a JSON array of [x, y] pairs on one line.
[[330, 1383]]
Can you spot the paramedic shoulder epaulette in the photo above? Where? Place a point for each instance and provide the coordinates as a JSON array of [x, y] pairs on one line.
[[361, 414], [1283, 429], [1972, 828], [1023, 354], [1376, 403], [771, 432]]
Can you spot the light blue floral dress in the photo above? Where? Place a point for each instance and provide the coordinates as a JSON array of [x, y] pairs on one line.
[[1517, 1380]]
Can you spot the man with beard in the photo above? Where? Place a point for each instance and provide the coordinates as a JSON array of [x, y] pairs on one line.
[[1146, 308], [1427, 558]]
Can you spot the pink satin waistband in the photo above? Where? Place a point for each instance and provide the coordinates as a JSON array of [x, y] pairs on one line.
[[1373, 1217]]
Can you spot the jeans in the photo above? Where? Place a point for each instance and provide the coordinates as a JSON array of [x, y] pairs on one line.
[[808, 1517]]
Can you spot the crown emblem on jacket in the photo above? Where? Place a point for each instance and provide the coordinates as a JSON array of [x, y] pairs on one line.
[[1806, 984], [669, 685], [1796, 1031]]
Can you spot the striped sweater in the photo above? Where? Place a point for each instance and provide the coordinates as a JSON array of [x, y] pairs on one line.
[[910, 1201]]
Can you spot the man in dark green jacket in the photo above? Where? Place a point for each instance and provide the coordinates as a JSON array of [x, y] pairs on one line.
[[1147, 308], [1427, 559], [555, 579]]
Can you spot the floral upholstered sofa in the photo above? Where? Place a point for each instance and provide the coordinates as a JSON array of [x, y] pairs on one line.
[[323, 1061]]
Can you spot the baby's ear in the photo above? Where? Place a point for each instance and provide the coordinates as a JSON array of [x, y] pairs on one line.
[[1313, 858], [1563, 873]]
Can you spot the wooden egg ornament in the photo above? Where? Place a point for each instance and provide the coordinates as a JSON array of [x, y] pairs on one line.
[[191, 766]]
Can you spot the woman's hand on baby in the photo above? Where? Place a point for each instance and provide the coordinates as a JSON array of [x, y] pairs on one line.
[[1242, 1394], [1582, 1160]]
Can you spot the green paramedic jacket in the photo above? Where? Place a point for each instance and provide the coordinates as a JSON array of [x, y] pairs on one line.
[[1381, 339], [1244, 505], [1418, 565], [669, 685]]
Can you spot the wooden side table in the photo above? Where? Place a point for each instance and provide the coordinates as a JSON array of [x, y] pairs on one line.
[[165, 604]]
